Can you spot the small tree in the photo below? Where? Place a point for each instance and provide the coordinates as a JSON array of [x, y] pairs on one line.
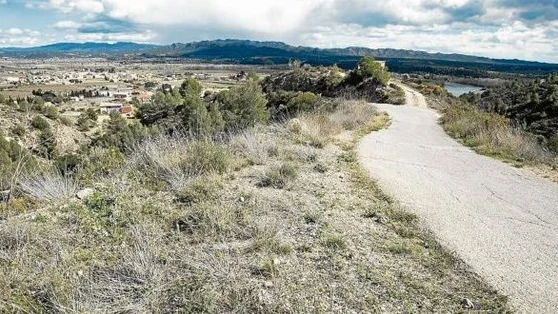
[[190, 88], [243, 106], [47, 144], [369, 68]]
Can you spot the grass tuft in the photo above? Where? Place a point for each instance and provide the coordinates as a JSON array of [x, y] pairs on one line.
[[49, 186], [279, 177]]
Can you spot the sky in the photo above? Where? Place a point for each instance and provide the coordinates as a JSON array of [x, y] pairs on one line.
[[522, 29]]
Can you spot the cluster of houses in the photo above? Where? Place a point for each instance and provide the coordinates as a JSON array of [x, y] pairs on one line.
[[69, 77]]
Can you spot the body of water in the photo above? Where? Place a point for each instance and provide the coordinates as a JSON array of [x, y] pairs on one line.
[[460, 89]]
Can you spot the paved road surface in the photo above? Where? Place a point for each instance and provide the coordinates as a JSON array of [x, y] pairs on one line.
[[501, 220]]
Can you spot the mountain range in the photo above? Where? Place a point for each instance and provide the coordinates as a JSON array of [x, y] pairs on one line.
[[268, 52]]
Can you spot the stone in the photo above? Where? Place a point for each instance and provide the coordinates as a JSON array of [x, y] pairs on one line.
[[467, 304], [85, 193]]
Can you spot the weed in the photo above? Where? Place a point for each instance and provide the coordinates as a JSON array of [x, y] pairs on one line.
[[204, 188], [334, 241], [279, 177]]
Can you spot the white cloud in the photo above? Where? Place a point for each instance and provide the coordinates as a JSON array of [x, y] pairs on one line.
[[67, 25], [19, 37], [146, 36], [467, 26]]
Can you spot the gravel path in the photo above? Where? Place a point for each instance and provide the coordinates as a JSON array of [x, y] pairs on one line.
[[501, 220]]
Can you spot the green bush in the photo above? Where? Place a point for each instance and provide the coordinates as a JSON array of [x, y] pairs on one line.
[[12, 157], [198, 119], [83, 123], [47, 144], [40, 123], [122, 134], [160, 110], [303, 102], [369, 68], [190, 88], [243, 106]]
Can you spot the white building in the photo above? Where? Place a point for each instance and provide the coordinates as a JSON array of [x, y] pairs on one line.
[[109, 107]]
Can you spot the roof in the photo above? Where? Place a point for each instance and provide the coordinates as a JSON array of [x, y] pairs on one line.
[[126, 109], [108, 105]]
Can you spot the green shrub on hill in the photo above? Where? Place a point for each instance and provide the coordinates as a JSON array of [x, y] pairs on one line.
[[122, 133], [12, 158], [243, 106], [369, 68], [40, 123]]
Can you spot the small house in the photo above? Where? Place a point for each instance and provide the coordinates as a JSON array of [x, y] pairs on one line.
[[127, 111], [108, 108]]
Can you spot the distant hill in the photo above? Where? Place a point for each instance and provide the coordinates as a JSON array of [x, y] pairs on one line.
[[72, 49], [269, 52]]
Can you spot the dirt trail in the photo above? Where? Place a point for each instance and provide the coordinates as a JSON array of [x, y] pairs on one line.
[[501, 220], [413, 98]]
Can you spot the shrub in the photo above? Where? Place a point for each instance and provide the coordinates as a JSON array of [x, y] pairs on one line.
[[251, 146], [303, 102], [18, 130], [40, 123], [67, 164], [205, 156], [83, 124], [92, 114], [13, 159], [65, 121], [279, 177], [122, 134], [243, 106], [369, 68], [204, 188], [50, 112], [491, 134], [47, 147], [553, 143], [197, 119], [49, 186], [190, 88], [100, 162], [160, 110]]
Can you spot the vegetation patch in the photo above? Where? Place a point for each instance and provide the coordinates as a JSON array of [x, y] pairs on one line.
[[492, 134]]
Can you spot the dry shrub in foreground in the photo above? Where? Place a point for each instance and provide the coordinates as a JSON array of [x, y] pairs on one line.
[[252, 146], [492, 134], [352, 114], [178, 160], [49, 185], [318, 130]]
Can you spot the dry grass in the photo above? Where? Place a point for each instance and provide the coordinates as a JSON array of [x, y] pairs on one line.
[[49, 185], [178, 160], [331, 242], [353, 114], [492, 134], [252, 146]]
